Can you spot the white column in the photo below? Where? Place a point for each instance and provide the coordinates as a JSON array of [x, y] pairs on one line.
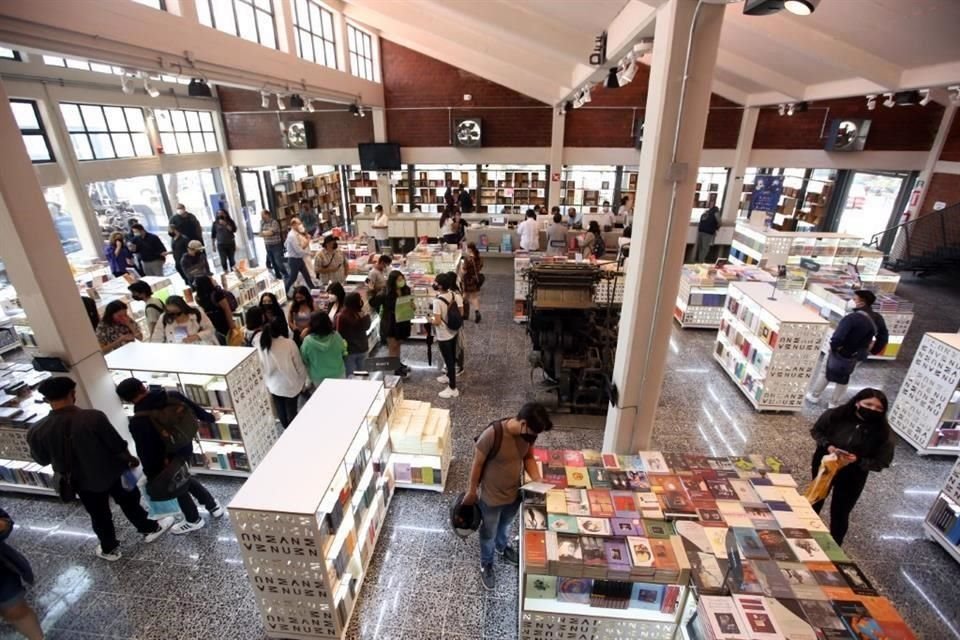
[[667, 182], [286, 40], [384, 190], [556, 159], [923, 180], [39, 270], [741, 159]]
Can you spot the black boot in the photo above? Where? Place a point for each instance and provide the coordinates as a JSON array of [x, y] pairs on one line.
[[476, 317]]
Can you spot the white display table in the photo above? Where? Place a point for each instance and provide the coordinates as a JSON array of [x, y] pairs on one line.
[[942, 524]]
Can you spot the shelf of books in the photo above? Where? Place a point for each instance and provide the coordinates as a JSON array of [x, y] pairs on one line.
[[942, 523], [309, 517], [926, 412], [621, 546], [20, 409], [362, 191], [225, 380], [586, 188], [768, 347], [703, 292], [430, 183], [321, 192], [511, 188], [421, 443], [769, 248]]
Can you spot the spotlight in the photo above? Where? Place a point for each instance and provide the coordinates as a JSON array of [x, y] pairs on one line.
[[296, 102], [801, 7], [310, 108], [363, 114], [782, 109], [280, 103], [355, 109], [889, 102], [126, 84], [926, 97], [954, 93], [906, 98], [578, 100], [871, 102], [625, 76], [767, 7], [799, 107], [568, 106], [151, 90], [612, 81], [643, 47], [198, 88], [790, 110], [264, 100], [586, 95]]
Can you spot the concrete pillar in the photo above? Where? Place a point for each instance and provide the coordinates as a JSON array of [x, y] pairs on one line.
[[384, 189], [923, 180], [41, 274], [674, 116], [741, 159], [286, 39], [184, 8], [556, 159]]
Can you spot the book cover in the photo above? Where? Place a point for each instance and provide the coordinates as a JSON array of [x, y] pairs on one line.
[[710, 518], [746, 580], [610, 461], [623, 527], [802, 581], [562, 523], [592, 458], [535, 549], [574, 590], [758, 512], [663, 556], [749, 544], [776, 545], [696, 489], [708, 573], [721, 615], [855, 578], [555, 458], [402, 472], [677, 504], [676, 462], [721, 490], [601, 503], [717, 540], [416, 475], [592, 551], [774, 583], [661, 483], [624, 506], [821, 615], [641, 555], [540, 454], [791, 621], [829, 546], [646, 596], [648, 505], [857, 619], [427, 475], [617, 554], [757, 617], [577, 504], [568, 549], [696, 462], [654, 462], [541, 586], [573, 458], [557, 476], [744, 490], [638, 480], [594, 526], [618, 480], [826, 574], [599, 478], [534, 517], [556, 501], [657, 528], [807, 550], [885, 613], [577, 477]]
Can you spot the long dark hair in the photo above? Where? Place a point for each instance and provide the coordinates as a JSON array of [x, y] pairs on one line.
[[112, 308], [320, 325], [353, 302], [446, 215], [849, 408], [254, 319], [307, 299], [273, 305], [336, 290], [91, 308], [472, 248], [181, 304], [276, 329], [392, 285], [205, 287], [230, 222]]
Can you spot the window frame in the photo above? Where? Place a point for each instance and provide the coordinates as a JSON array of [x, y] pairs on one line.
[[300, 31], [161, 4], [256, 8], [41, 131], [14, 55], [353, 54], [128, 131], [187, 130]]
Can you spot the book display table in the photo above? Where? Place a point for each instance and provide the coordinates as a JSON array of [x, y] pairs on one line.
[[309, 518], [703, 292], [926, 412], [661, 546], [226, 380], [21, 408], [421, 443], [769, 348], [942, 524], [769, 248]]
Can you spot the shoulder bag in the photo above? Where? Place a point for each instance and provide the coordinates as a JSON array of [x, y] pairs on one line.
[[63, 481]]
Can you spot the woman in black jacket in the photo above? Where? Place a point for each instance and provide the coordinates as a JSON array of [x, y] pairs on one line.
[[857, 432], [392, 331], [224, 235]]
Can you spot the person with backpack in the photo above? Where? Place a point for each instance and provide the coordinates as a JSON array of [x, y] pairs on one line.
[[164, 425], [471, 266], [218, 304], [707, 233], [142, 292], [90, 457], [504, 450], [447, 321]]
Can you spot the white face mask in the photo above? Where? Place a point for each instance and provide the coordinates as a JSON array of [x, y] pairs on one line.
[[851, 305]]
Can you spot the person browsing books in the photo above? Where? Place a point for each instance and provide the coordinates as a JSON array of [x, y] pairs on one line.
[[529, 232], [495, 480], [330, 264], [182, 323], [142, 292], [352, 324], [323, 349], [116, 327], [149, 406], [377, 279], [557, 236], [471, 266], [447, 298], [394, 326], [859, 434]]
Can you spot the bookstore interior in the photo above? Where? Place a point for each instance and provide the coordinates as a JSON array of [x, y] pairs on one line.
[[672, 273]]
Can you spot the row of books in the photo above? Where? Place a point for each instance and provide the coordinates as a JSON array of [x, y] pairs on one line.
[[221, 457], [611, 594], [945, 518], [212, 393], [735, 362], [416, 474], [225, 429], [26, 473], [741, 340], [750, 316], [419, 429]]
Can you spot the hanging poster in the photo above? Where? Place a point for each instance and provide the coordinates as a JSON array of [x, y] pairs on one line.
[[766, 193]]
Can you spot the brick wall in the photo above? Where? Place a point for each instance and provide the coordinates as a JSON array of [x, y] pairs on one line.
[[897, 129], [951, 148], [944, 187], [334, 126], [424, 95]]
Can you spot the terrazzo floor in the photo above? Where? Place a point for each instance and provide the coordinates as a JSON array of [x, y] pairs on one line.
[[423, 581]]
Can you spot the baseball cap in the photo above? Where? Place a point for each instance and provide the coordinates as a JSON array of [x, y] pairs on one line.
[[195, 245]]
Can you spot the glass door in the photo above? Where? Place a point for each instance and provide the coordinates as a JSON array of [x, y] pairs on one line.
[[871, 203]]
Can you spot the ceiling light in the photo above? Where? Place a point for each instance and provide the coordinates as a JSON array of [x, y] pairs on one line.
[[280, 103], [801, 7], [296, 102], [568, 106], [889, 100], [612, 82], [782, 109], [643, 47], [363, 114], [355, 109], [628, 73], [954, 93], [151, 90], [871, 102], [198, 88], [586, 95], [906, 98], [578, 101], [926, 97], [790, 110], [126, 84], [799, 107], [310, 108], [264, 99]]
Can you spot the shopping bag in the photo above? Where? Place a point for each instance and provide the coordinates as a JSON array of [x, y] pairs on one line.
[[820, 487], [161, 508], [235, 338], [404, 309]]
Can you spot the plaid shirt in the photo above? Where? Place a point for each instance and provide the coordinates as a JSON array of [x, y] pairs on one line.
[[276, 238]]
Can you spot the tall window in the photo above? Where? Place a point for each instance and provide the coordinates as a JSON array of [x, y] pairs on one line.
[[249, 19], [102, 133], [9, 54], [86, 65], [185, 131], [31, 128], [361, 53], [314, 27], [156, 4]]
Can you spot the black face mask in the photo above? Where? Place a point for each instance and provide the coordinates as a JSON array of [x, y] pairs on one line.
[[529, 437], [870, 416]]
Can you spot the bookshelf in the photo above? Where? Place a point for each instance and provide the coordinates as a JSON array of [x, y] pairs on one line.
[[703, 292], [769, 348], [421, 443], [586, 187], [21, 408], [755, 246], [510, 188], [322, 192], [313, 511], [926, 412], [227, 380], [430, 182], [362, 192], [942, 524]]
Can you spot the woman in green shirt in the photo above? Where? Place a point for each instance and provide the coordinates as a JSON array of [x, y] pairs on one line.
[[323, 350]]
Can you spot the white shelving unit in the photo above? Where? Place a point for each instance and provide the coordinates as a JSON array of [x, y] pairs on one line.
[[941, 522], [311, 514], [18, 471], [926, 412], [420, 439], [765, 247], [701, 298], [769, 348], [231, 375]]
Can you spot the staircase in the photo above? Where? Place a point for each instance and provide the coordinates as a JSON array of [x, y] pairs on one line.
[[926, 244]]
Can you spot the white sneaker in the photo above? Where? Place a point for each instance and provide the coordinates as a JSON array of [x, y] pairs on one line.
[[832, 405], [187, 527], [165, 523], [809, 397], [217, 511], [449, 393], [442, 379], [113, 556]]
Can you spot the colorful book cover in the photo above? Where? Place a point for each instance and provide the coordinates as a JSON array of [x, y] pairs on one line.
[[592, 458], [721, 489], [885, 613], [601, 503], [573, 458], [534, 517], [855, 578], [677, 503], [556, 501], [802, 581], [776, 545], [568, 549], [540, 454], [778, 505], [638, 481], [657, 528], [821, 615], [555, 458], [402, 473], [696, 489], [676, 462], [574, 590], [577, 504], [826, 574], [663, 556], [746, 580], [641, 554], [807, 550], [592, 550], [623, 527], [696, 462], [749, 544], [711, 518], [599, 479], [617, 554], [541, 586], [858, 619], [610, 461], [618, 479], [624, 506], [427, 475], [757, 617], [577, 477], [557, 476], [661, 483], [646, 596], [654, 462], [562, 523], [594, 526], [708, 573], [829, 546], [535, 548], [774, 583]]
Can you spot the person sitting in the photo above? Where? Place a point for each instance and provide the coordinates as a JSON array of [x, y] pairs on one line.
[[323, 350], [181, 323], [116, 328]]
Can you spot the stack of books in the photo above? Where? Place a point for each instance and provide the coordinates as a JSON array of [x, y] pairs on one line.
[[419, 429], [26, 473], [226, 428]]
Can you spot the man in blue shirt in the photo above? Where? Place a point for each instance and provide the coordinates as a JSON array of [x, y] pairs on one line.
[[859, 334]]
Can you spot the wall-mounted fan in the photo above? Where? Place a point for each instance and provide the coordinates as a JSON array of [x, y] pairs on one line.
[[298, 135], [847, 134], [467, 132]]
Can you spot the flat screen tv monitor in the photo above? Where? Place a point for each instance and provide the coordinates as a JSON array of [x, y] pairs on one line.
[[379, 156]]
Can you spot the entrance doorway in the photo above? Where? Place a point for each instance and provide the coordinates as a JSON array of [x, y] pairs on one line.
[[871, 203]]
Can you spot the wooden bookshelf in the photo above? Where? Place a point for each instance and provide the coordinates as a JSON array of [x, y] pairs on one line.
[[503, 190], [362, 191], [585, 188], [322, 192]]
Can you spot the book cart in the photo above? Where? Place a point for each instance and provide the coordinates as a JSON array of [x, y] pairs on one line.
[[926, 412], [308, 520], [663, 546], [227, 380], [942, 524], [421, 446], [769, 348]]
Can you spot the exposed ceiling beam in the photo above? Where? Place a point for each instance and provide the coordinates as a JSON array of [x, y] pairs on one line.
[[937, 75], [729, 92], [767, 98], [748, 69]]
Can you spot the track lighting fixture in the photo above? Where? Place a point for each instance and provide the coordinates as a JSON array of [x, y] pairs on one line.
[[612, 81], [310, 108], [280, 103], [871, 102], [586, 95], [643, 47], [264, 100], [628, 72], [126, 84], [568, 106], [355, 109], [799, 107], [296, 102], [198, 88], [889, 102], [151, 90], [790, 110], [954, 93], [363, 114], [782, 109], [925, 100], [801, 7]]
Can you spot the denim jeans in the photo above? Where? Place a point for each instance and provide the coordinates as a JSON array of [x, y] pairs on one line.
[[495, 528], [354, 362], [296, 267], [276, 261]]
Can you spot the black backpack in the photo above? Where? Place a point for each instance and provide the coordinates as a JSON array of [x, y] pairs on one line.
[[175, 422], [454, 319], [599, 247]]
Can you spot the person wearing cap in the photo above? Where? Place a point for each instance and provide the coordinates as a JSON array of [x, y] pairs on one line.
[[178, 247], [495, 480], [297, 245], [194, 263], [153, 451], [330, 264], [82, 445], [859, 334]]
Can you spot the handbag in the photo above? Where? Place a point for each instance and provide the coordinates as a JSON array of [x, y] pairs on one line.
[[171, 482]]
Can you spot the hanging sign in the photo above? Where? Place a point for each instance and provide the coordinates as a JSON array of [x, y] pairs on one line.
[[766, 193]]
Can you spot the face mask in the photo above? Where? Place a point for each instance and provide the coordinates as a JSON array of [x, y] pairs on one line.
[[529, 437], [171, 234], [851, 305], [401, 283], [181, 211], [869, 415]]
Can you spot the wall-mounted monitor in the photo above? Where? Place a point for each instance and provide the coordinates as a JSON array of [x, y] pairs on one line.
[[380, 156]]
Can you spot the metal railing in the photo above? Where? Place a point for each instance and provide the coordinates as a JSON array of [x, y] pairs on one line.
[[931, 241]]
